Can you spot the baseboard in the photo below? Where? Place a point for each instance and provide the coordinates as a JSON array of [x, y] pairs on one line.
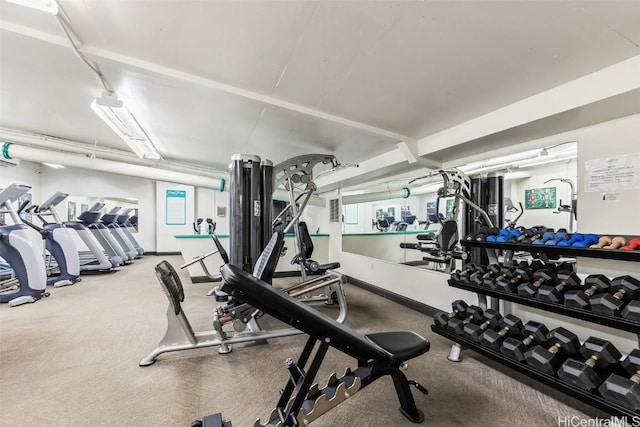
[[292, 273], [163, 253], [392, 296]]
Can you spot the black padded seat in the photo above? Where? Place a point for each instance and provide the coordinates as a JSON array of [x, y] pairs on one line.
[[292, 311], [400, 346], [307, 252], [329, 266]]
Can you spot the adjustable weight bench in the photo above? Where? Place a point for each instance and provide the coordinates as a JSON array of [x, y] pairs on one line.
[[301, 401]]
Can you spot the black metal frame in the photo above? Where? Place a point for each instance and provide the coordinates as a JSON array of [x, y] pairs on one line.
[[583, 395], [590, 316], [615, 254]]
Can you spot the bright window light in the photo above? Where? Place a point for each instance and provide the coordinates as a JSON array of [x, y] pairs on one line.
[[113, 112], [49, 6]]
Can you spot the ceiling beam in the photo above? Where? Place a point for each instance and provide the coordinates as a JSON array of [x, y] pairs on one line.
[[616, 79], [198, 80]]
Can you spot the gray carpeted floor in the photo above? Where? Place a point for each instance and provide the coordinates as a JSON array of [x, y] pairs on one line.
[[72, 360]]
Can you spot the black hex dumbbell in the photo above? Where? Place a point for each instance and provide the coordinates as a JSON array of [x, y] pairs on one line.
[[456, 325], [491, 271], [561, 341], [462, 276], [473, 331], [511, 326], [625, 288], [566, 281], [621, 390], [534, 235], [632, 310], [534, 333], [598, 353], [441, 319], [535, 265], [522, 274], [505, 274], [542, 277], [593, 284]]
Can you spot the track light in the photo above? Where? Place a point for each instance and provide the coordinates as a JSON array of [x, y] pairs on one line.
[[113, 112], [545, 150], [49, 6]]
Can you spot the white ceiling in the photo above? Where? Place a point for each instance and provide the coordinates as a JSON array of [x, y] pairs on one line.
[[351, 78]]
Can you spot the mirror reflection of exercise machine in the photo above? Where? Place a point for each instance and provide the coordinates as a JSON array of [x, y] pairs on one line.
[[389, 223], [442, 248], [572, 209], [296, 174], [204, 226]]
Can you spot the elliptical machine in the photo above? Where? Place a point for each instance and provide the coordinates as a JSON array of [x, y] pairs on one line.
[[18, 250], [58, 241]]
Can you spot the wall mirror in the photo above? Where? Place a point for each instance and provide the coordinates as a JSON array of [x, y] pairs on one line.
[[400, 229]]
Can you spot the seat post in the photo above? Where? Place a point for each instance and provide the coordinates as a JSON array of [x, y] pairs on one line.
[[307, 382], [302, 360]]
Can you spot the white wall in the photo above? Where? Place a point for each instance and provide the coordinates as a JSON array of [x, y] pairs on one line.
[[165, 242], [222, 222], [617, 137], [26, 173], [93, 185], [317, 218]]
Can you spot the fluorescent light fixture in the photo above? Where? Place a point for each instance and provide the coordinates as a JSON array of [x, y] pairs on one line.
[[49, 6], [113, 112], [53, 165], [546, 161], [524, 159]]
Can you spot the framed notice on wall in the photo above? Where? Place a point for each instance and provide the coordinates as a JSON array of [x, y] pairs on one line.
[[176, 207], [540, 198]]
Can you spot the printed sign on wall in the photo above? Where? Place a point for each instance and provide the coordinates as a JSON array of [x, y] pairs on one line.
[[540, 198], [613, 173], [176, 207]]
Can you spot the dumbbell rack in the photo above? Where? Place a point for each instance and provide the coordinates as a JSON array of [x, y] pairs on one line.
[[614, 254], [585, 396], [492, 250]]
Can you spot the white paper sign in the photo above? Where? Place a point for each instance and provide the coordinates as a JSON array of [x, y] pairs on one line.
[[613, 173]]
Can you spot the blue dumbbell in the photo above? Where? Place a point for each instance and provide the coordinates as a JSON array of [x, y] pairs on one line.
[[560, 236], [545, 237], [577, 237], [589, 239], [507, 235]]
